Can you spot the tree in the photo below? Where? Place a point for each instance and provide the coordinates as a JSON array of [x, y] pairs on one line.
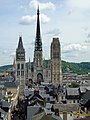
[[74, 84]]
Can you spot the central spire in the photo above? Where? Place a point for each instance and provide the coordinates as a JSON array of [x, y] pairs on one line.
[[38, 42]]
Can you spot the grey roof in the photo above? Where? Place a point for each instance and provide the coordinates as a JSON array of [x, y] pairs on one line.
[[3, 79], [2, 111], [48, 105], [5, 104], [50, 117], [88, 87], [82, 89], [28, 91], [1, 96], [1, 84], [31, 111], [72, 91], [85, 98], [11, 84], [41, 115], [56, 117]]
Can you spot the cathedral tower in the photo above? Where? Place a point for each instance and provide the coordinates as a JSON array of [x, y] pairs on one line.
[[20, 65], [38, 61], [56, 74]]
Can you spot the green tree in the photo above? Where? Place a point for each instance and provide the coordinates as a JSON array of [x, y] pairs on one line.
[[74, 84]]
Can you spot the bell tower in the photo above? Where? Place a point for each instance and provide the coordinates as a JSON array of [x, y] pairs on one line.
[[20, 65], [56, 73]]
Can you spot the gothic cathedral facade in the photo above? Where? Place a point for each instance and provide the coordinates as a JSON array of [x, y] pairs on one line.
[[39, 70]]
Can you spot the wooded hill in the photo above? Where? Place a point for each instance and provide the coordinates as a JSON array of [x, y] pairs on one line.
[[79, 68]]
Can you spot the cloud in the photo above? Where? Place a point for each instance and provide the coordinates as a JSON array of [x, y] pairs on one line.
[[79, 4], [72, 55], [74, 48], [78, 9], [85, 29], [44, 18], [75, 52], [70, 12], [27, 20], [4, 52], [12, 54], [54, 32], [43, 6], [88, 36], [30, 43]]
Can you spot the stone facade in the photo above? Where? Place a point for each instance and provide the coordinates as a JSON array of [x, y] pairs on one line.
[[20, 65], [56, 73], [43, 70], [39, 70]]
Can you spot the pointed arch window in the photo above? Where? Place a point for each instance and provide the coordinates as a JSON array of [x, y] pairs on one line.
[[22, 66], [18, 66]]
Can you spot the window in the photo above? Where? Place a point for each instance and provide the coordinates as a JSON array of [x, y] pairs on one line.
[[48, 99], [18, 66], [22, 73], [58, 76], [18, 73], [22, 66]]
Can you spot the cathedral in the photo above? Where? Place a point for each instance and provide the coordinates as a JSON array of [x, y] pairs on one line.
[[40, 70]]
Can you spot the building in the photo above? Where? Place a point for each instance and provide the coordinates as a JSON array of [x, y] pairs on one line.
[[20, 65], [39, 70], [56, 61], [72, 95]]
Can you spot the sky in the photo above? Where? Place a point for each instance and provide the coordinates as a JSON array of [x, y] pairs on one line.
[[69, 20]]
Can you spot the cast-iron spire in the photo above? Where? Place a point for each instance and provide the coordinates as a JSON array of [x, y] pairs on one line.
[[38, 42]]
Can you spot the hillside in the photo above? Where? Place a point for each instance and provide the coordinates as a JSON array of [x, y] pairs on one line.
[[5, 68], [79, 68]]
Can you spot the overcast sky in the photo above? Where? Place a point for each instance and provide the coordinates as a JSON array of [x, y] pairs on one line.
[[67, 19]]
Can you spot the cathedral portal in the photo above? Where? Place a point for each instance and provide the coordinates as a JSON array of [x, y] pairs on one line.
[[39, 77]]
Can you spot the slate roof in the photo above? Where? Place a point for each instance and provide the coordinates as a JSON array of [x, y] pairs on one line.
[[85, 99], [36, 96], [3, 79], [3, 112], [5, 104], [11, 84], [1, 96], [37, 102], [82, 89], [46, 116], [1, 84], [72, 91]]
